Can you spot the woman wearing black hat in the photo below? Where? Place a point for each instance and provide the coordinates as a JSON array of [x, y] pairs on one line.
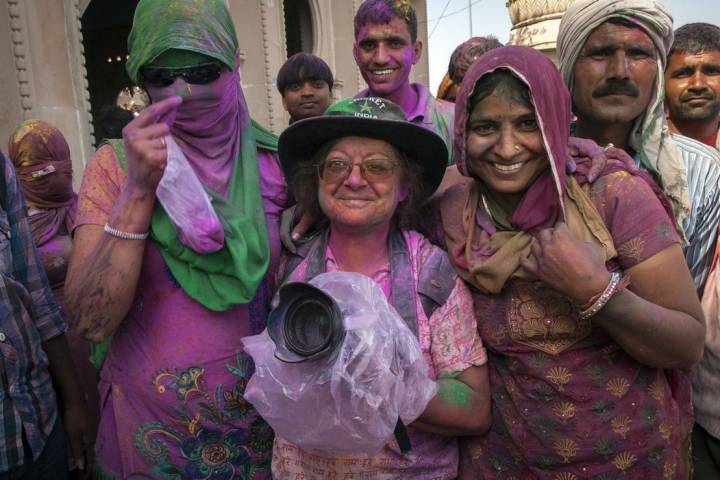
[[362, 168]]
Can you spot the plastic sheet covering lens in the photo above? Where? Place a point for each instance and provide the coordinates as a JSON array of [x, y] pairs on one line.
[[346, 398]]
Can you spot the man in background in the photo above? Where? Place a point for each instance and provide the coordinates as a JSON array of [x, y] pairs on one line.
[[305, 83], [386, 48], [462, 57], [692, 94], [692, 83]]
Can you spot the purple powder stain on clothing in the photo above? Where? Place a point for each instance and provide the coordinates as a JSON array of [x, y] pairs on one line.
[[51, 246]]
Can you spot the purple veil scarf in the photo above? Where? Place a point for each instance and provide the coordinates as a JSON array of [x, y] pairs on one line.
[[214, 131], [207, 127]]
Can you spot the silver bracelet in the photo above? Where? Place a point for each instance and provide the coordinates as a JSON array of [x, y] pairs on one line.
[[124, 235], [609, 291]]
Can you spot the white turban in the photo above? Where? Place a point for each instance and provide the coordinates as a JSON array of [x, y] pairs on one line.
[[650, 136]]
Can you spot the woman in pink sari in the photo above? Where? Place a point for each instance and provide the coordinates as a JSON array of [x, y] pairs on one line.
[[583, 298], [172, 385]]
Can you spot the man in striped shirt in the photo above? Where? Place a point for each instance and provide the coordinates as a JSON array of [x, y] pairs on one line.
[[692, 92], [33, 354]]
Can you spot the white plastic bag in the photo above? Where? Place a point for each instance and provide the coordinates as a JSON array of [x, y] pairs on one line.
[[187, 204], [348, 401]]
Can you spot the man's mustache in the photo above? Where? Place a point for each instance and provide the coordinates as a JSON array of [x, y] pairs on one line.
[[623, 87]]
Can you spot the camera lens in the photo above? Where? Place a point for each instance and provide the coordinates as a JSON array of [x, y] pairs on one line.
[[308, 327]]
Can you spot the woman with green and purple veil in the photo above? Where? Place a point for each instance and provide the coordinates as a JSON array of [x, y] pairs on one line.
[[172, 383]]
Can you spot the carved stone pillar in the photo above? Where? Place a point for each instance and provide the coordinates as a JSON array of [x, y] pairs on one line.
[[45, 74], [536, 23]]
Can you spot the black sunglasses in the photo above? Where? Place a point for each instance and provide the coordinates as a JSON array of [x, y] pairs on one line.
[[199, 74]]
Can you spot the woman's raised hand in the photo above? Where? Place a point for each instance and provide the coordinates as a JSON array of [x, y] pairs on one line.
[[144, 140], [571, 266]]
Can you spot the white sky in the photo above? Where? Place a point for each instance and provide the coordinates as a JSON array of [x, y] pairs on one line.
[[491, 17]]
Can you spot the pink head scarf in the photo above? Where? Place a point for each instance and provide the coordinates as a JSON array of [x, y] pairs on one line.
[[542, 204]]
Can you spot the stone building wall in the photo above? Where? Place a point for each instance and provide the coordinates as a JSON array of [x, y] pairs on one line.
[[41, 49]]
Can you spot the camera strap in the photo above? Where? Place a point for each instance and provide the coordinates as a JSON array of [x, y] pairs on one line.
[[403, 284], [401, 437]]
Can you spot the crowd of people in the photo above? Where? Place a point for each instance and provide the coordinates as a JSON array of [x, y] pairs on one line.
[[549, 233]]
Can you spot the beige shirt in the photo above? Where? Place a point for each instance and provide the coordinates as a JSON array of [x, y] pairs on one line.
[[706, 375]]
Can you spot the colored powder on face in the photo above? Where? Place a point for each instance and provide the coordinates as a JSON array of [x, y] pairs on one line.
[[381, 12], [395, 87]]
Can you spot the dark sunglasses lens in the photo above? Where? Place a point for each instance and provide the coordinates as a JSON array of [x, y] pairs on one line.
[[159, 77], [196, 74], [202, 74]]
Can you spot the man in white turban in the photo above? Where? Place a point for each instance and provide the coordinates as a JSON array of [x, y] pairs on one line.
[[612, 57]]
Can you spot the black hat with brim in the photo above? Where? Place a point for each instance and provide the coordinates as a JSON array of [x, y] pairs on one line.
[[365, 117]]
